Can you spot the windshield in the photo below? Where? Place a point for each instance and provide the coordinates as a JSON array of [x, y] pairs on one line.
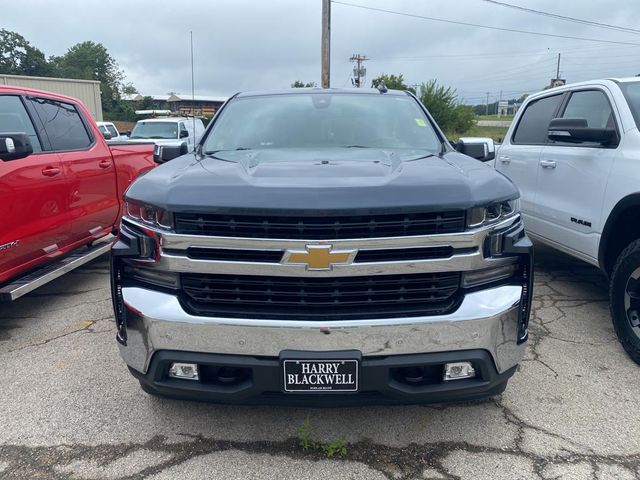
[[321, 120], [155, 130], [632, 94]]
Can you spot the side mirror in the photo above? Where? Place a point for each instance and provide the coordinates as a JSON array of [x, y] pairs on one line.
[[164, 153], [107, 135], [126, 134], [480, 148], [576, 130], [184, 134], [14, 146]]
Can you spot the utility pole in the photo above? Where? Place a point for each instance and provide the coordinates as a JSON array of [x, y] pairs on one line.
[[487, 109], [558, 69], [326, 43], [358, 71]]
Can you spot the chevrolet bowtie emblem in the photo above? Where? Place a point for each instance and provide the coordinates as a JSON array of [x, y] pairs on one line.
[[319, 257]]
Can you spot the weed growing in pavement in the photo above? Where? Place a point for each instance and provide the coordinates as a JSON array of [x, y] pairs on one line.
[[336, 447], [331, 449], [305, 434]]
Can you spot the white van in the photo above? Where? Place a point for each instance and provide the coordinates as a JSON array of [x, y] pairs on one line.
[[169, 131]]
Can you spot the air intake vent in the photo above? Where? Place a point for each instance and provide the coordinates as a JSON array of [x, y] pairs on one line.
[[302, 298], [321, 228]]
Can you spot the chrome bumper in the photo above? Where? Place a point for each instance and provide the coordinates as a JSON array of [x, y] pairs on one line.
[[486, 320]]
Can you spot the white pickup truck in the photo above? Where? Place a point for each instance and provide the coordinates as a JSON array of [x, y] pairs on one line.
[[574, 153], [110, 132]]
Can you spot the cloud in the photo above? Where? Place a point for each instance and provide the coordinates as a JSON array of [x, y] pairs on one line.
[[246, 45]]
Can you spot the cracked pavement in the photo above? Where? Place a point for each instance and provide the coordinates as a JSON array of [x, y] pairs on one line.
[[70, 409]]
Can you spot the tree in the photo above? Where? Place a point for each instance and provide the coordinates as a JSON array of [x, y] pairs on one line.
[[442, 103], [481, 109], [19, 57], [299, 84], [91, 61], [392, 82], [129, 89], [146, 103], [86, 60]]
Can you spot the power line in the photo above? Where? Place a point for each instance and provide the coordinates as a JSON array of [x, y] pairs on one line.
[[576, 53], [602, 61], [483, 57], [565, 18], [477, 25]]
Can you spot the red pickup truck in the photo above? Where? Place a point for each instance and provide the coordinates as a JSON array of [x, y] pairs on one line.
[[61, 187]]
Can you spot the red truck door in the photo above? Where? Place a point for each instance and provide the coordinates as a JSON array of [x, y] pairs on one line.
[[87, 163], [33, 197]]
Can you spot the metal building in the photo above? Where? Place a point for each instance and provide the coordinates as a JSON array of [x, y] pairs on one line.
[[87, 91]]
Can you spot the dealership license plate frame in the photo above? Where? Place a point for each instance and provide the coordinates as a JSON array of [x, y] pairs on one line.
[[350, 359]]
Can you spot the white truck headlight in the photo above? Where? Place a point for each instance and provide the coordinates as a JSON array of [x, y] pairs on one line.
[[493, 213]]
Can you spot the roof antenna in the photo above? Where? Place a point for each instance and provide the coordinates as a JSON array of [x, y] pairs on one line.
[[382, 88], [193, 98]]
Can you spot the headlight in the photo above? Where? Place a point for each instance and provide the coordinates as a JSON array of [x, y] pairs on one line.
[[492, 213], [149, 215]]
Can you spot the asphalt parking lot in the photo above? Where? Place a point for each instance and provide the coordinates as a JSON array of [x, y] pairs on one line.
[[70, 410]]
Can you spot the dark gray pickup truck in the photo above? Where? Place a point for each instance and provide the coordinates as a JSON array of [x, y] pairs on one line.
[[322, 247]]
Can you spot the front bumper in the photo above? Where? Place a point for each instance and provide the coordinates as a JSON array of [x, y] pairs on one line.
[[381, 380], [486, 324]]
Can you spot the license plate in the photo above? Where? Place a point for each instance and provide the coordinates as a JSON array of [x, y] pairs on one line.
[[320, 376]]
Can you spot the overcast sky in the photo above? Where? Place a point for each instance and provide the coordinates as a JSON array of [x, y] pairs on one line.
[[252, 44]]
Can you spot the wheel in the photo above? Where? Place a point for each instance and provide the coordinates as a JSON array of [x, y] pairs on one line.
[[625, 299]]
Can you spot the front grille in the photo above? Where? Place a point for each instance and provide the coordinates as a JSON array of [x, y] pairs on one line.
[[320, 228], [301, 298], [363, 256]]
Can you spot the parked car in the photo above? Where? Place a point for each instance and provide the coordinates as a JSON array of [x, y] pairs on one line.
[[169, 131], [110, 132], [326, 247], [574, 153], [61, 187]]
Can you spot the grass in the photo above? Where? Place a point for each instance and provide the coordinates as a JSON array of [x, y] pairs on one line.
[[308, 442], [497, 133], [502, 118], [306, 435]]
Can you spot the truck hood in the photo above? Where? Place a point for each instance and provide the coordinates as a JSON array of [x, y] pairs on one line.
[[339, 180]]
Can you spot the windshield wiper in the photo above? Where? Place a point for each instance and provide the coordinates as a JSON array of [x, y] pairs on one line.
[[421, 157], [213, 152], [354, 146]]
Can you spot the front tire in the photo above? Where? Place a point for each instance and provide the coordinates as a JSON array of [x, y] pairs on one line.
[[624, 302]]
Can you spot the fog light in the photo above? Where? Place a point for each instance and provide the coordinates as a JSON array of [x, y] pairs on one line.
[[458, 371], [488, 275], [187, 371], [153, 276]]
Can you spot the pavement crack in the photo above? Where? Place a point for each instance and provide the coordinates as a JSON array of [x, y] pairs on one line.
[[65, 293], [397, 463], [87, 327]]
